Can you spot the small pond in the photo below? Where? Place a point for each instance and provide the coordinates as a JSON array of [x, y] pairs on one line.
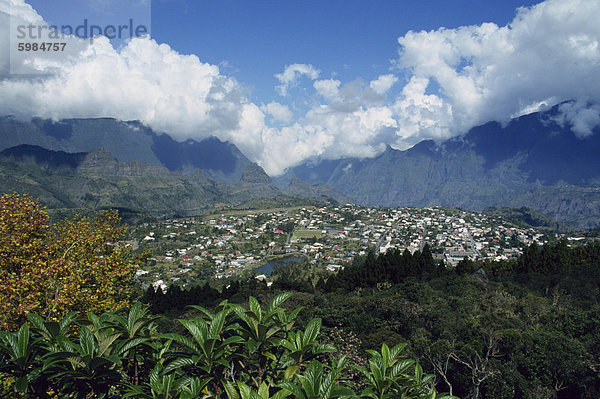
[[268, 267]]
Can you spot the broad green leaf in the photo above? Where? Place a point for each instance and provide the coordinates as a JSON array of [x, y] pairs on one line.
[[245, 391], [395, 351], [105, 344], [401, 367], [282, 394], [131, 344], [255, 308], [418, 373], [182, 340], [66, 321], [263, 391], [178, 363], [197, 329], [270, 356], [342, 392], [87, 342], [38, 322], [217, 323], [276, 302], [231, 390], [385, 354], [23, 341], [312, 330], [290, 372], [293, 389], [202, 310], [326, 385]]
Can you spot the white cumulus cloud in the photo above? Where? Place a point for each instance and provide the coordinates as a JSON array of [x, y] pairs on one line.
[[279, 112], [453, 79], [328, 88], [144, 80], [549, 53], [383, 83], [581, 117], [289, 77]]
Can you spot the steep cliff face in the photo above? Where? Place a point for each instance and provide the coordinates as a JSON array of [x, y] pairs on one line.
[[101, 162], [255, 183], [98, 180]]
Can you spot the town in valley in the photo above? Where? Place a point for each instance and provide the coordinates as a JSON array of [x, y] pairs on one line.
[[216, 247]]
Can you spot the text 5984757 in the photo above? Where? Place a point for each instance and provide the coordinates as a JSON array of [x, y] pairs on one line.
[[44, 46]]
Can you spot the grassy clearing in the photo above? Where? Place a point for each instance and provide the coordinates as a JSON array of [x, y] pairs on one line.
[[303, 234]]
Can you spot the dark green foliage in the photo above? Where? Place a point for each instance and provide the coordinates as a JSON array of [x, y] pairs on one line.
[[231, 352], [176, 299], [392, 267], [465, 266], [532, 329]]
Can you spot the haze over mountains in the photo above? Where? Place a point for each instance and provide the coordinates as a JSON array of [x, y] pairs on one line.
[[533, 161]]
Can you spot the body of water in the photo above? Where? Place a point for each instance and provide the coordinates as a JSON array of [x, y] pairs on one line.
[[268, 267]]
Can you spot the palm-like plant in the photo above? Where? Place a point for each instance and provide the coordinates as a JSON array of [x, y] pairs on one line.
[[136, 333], [315, 384], [52, 332], [161, 385], [262, 333], [235, 352], [385, 372], [302, 346], [87, 366], [207, 352], [243, 391], [391, 376], [20, 357]]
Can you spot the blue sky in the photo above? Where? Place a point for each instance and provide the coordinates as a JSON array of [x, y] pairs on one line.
[[290, 81], [253, 40]]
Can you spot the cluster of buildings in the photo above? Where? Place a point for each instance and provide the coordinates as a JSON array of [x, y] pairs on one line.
[[237, 243]]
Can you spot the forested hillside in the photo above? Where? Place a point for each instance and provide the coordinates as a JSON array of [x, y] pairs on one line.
[[57, 278], [527, 328], [524, 328]]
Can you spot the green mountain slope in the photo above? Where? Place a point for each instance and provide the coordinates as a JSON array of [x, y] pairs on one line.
[[128, 141], [98, 180]]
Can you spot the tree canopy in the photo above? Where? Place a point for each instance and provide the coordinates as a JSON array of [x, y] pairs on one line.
[[76, 264]]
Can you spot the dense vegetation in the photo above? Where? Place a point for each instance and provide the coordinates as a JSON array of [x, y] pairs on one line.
[[235, 352], [54, 269], [527, 328], [228, 352]]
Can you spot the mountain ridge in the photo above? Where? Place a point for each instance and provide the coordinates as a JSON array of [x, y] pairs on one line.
[[531, 161], [98, 180], [128, 141]]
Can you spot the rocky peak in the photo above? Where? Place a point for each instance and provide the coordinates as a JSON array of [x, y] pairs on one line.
[[254, 174]]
